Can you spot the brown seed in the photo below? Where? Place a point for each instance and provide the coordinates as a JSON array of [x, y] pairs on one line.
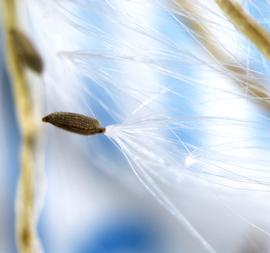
[[26, 51], [75, 123]]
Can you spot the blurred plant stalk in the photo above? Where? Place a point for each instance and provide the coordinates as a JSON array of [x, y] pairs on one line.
[[27, 238], [246, 81], [247, 25]]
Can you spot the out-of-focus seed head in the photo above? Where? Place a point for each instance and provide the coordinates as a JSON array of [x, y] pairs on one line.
[[26, 51], [76, 123]]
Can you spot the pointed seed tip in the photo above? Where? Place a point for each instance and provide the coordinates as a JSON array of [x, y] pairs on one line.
[[45, 119], [102, 130]]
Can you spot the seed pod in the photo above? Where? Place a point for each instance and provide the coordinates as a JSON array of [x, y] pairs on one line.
[[75, 123], [26, 51]]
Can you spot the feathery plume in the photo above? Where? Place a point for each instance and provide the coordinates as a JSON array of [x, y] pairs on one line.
[[169, 103]]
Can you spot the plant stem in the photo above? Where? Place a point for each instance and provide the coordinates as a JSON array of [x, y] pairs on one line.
[[247, 82], [27, 238], [259, 36]]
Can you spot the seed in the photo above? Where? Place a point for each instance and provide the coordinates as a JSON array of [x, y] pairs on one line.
[[75, 123], [26, 51]]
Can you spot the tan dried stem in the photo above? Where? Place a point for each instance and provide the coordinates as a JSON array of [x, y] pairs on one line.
[[25, 224], [237, 15], [247, 82]]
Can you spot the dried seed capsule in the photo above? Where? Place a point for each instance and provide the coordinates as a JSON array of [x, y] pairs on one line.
[[75, 123], [26, 51]]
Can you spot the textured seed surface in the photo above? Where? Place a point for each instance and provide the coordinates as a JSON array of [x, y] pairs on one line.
[[75, 123], [26, 51]]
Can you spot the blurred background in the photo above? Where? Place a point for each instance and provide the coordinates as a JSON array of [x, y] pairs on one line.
[[196, 138]]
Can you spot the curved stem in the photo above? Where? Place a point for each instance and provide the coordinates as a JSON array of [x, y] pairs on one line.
[[259, 36], [247, 82]]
